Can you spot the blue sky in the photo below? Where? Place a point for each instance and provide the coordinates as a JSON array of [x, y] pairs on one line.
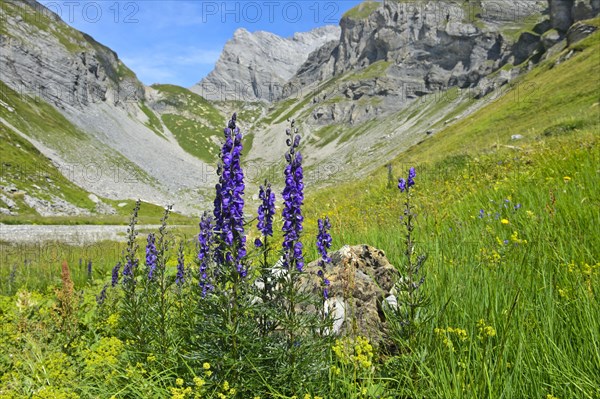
[[178, 42]]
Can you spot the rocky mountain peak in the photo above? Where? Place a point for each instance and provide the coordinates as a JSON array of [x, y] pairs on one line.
[[255, 66]]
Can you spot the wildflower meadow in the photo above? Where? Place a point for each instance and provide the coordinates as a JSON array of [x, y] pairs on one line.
[[496, 294]]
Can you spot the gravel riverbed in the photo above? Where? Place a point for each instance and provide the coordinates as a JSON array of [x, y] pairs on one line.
[[74, 235]]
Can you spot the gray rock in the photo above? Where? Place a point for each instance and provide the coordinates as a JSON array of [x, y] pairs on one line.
[[585, 9], [563, 13], [527, 45], [361, 278], [550, 38], [427, 46], [579, 31], [516, 137], [256, 66], [560, 14]]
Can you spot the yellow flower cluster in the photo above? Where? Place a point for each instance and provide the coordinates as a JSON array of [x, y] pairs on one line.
[[102, 356], [514, 237], [197, 391], [446, 334], [485, 330], [492, 257], [226, 391], [358, 352]]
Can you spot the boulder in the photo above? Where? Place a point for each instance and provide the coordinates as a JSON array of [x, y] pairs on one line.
[[550, 38], [525, 47], [579, 31], [361, 278], [563, 13]]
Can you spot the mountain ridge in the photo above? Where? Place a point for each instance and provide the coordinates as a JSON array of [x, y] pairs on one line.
[[358, 99]]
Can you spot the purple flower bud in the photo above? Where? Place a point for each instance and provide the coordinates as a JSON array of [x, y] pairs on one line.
[[229, 198], [266, 211], [151, 256], [115, 274], [293, 198], [205, 243], [401, 185]]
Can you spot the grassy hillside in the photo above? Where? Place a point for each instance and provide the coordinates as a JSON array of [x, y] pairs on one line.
[[33, 174], [193, 120]]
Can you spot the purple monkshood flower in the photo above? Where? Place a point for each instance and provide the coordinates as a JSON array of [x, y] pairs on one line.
[[102, 296], [266, 210], [324, 239], [205, 239], [128, 271], [411, 177], [115, 275], [404, 185], [481, 213], [180, 277], [293, 199], [151, 256], [326, 283], [89, 269], [229, 201]]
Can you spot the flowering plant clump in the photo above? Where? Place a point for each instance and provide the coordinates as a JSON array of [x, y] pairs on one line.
[[229, 201], [323, 244], [408, 312], [266, 212], [293, 197], [151, 256], [115, 275], [180, 276], [132, 261]]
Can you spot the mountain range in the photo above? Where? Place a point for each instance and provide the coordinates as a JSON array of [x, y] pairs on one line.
[[81, 134]]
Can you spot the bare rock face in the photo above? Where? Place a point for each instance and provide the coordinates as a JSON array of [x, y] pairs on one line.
[[48, 59], [563, 13], [255, 66], [403, 50], [361, 277], [579, 31]]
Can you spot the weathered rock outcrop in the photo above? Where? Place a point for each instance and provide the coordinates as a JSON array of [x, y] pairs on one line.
[[563, 13], [361, 278], [407, 50], [255, 66], [42, 56]]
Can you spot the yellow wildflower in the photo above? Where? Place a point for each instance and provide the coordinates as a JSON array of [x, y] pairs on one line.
[[504, 221], [199, 382]]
